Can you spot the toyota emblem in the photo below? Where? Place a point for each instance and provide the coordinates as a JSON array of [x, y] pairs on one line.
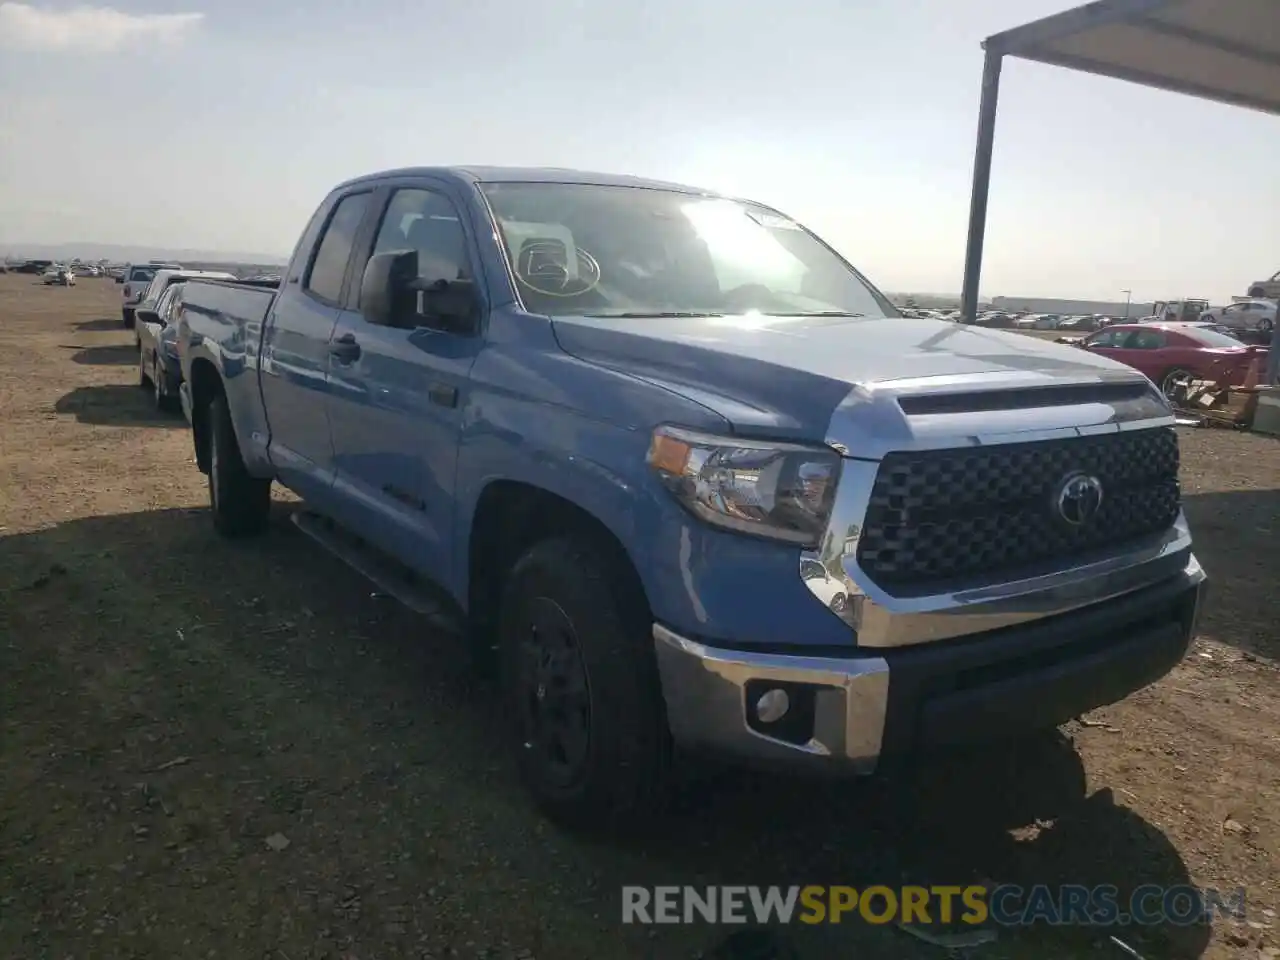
[[1079, 497]]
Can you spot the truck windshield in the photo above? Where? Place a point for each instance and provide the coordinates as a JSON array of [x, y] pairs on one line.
[[142, 274], [633, 252]]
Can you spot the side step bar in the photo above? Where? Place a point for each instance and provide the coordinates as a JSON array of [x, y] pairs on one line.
[[384, 572]]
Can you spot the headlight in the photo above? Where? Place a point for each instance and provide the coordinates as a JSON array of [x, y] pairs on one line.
[[778, 490]]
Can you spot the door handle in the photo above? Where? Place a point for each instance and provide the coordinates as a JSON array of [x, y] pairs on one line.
[[345, 347]]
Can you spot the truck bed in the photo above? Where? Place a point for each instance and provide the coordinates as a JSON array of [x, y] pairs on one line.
[[229, 301]]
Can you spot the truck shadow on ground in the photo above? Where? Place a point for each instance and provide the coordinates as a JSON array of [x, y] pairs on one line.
[[115, 404], [279, 667], [99, 325], [1237, 539], [116, 354]]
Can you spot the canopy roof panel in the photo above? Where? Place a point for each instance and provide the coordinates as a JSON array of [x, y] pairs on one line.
[[1224, 50]]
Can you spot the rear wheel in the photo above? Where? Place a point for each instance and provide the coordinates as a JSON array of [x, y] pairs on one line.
[[1265, 326], [126, 317], [240, 503], [581, 686]]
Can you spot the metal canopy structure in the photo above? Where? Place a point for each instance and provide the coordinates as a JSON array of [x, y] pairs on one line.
[[1222, 50]]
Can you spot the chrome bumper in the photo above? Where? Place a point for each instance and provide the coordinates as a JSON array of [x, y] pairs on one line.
[[706, 692], [859, 708]]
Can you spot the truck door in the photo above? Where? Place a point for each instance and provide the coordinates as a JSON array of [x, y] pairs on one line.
[[295, 350], [396, 394]]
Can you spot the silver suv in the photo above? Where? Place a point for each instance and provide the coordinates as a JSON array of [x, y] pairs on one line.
[[136, 278]]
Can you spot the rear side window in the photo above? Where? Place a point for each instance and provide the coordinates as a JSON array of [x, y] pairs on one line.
[[330, 263]]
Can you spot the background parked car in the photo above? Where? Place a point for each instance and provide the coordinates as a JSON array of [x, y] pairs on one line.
[[1265, 288], [1247, 315], [158, 365], [1168, 352], [164, 277], [137, 277]]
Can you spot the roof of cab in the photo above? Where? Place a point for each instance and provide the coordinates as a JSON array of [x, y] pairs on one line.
[[471, 174]]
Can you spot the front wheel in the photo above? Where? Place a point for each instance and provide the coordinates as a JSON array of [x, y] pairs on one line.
[[581, 686], [240, 503], [1169, 382]]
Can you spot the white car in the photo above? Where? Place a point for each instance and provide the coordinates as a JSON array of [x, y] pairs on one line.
[[830, 590], [1259, 315]]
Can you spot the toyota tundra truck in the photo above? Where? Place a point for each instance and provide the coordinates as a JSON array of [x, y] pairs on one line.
[[689, 480]]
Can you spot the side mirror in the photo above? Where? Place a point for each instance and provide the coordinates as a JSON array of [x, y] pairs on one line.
[[147, 316], [392, 295], [385, 297]]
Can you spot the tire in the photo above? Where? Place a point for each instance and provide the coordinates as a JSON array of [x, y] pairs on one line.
[[838, 603], [240, 503], [144, 378], [1170, 376], [127, 318], [572, 642], [1265, 327]]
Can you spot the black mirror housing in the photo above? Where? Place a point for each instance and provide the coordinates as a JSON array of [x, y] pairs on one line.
[[385, 297], [147, 316], [393, 295], [449, 304]]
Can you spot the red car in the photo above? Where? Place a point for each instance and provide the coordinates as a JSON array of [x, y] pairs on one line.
[[1166, 352]]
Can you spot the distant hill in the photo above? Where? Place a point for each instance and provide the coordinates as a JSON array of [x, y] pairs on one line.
[[123, 253]]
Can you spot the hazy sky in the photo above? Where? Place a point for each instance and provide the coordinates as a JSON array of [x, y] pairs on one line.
[[220, 125]]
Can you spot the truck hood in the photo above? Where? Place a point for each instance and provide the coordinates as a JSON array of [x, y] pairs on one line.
[[788, 375]]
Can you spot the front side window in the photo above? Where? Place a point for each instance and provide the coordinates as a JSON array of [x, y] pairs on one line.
[[1146, 340], [633, 252], [426, 222], [164, 304], [1109, 338]]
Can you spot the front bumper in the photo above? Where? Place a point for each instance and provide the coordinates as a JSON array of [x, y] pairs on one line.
[[851, 713]]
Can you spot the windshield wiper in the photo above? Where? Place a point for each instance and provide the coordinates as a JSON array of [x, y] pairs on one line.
[[630, 315]]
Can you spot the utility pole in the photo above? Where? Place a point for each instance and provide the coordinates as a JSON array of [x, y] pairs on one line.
[[1128, 295]]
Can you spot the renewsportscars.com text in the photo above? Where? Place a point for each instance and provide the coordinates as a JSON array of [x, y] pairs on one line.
[[1005, 905]]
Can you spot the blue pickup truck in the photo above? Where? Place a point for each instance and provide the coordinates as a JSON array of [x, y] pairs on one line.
[[690, 479]]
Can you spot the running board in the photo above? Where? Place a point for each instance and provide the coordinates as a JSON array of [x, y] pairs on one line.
[[386, 574]]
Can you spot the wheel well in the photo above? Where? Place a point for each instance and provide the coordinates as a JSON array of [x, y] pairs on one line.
[[205, 385], [511, 517]]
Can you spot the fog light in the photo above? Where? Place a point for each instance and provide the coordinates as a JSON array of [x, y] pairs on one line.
[[772, 706]]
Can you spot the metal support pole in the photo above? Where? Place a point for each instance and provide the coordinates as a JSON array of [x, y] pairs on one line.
[[981, 183]]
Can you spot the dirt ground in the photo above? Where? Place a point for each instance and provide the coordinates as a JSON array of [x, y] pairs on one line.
[[238, 750]]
